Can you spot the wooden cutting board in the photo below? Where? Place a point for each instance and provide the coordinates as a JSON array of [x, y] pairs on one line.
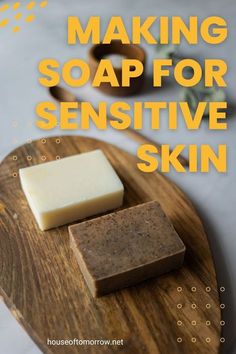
[[41, 283]]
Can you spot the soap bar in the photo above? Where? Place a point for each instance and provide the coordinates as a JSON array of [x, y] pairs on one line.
[[72, 188], [126, 247]]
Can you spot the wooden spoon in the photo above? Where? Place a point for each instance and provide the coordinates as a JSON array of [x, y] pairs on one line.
[[63, 95]]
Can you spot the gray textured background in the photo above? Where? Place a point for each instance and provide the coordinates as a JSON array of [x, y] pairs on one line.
[[213, 194]]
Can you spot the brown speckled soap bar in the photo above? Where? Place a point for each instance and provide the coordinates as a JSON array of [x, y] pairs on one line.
[[126, 247]]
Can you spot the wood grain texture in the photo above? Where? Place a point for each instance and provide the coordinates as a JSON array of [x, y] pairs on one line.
[[41, 283]]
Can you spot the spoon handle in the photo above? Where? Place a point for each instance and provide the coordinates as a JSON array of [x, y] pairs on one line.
[[62, 95]]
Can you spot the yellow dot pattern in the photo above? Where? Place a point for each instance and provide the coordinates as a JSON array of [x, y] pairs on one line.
[[29, 18]]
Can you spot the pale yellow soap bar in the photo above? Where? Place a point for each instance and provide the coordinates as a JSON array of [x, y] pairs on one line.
[[73, 188]]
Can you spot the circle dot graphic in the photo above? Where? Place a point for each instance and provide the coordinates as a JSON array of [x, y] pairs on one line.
[[222, 339], [29, 158], [179, 306], [179, 323], [208, 323], [222, 323], [14, 158], [179, 339], [208, 306], [222, 306], [208, 289], [208, 340], [193, 289], [193, 306], [193, 339], [193, 323], [179, 289], [222, 289]]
